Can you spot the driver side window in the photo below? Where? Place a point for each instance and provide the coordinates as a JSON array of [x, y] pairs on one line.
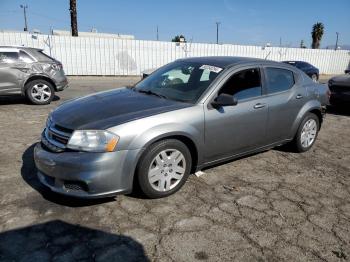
[[244, 84], [178, 76]]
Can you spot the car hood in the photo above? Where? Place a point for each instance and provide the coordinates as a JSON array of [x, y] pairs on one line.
[[111, 108], [341, 80]]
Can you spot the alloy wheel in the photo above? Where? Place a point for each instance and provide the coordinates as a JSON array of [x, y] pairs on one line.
[[41, 92], [166, 170], [308, 133]]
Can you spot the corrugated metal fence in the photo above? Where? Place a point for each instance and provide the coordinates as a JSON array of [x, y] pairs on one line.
[[106, 56]]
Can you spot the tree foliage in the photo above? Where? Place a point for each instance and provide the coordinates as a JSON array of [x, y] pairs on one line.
[[317, 33], [177, 38]]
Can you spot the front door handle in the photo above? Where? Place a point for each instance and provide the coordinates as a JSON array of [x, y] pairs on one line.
[[259, 105], [299, 96]]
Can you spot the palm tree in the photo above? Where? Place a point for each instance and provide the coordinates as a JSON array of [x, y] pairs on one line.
[[317, 33], [73, 17], [178, 38]]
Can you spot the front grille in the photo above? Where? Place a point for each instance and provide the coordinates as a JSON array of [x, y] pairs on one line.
[[75, 186], [63, 129], [55, 137]]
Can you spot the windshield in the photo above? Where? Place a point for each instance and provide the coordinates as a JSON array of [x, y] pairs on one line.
[[181, 81]]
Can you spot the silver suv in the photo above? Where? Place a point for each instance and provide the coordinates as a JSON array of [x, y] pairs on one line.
[[31, 73]]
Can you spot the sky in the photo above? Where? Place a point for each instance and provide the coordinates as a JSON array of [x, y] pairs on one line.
[[250, 22]]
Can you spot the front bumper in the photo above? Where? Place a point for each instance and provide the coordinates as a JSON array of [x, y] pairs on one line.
[[85, 174]]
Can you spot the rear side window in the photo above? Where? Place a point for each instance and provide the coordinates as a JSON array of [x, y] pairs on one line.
[[42, 57], [278, 79], [8, 57], [24, 57]]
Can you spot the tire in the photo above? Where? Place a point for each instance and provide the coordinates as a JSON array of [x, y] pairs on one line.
[[307, 133], [39, 92], [158, 174], [314, 78]]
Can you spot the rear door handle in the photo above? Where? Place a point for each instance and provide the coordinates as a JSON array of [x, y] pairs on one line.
[[299, 96], [259, 105]]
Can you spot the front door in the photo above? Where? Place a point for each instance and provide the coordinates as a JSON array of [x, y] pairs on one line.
[[231, 130]]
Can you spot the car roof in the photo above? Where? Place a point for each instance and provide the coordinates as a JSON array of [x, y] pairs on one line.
[[295, 61], [227, 61], [14, 47]]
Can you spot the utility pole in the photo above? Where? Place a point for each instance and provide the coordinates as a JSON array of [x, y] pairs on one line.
[[217, 32], [336, 42], [73, 17], [157, 34], [25, 16]]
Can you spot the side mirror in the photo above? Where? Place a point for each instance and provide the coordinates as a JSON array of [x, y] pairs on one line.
[[144, 75], [224, 100]]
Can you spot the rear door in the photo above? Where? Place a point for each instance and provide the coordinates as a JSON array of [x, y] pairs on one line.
[[285, 96]]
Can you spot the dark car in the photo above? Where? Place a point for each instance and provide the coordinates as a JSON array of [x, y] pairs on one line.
[[340, 90], [187, 115], [31, 73], [307, 68]]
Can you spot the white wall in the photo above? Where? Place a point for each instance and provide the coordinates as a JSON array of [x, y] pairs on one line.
[[104, 56]]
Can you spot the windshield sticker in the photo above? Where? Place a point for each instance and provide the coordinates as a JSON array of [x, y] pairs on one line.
[[214, 69]]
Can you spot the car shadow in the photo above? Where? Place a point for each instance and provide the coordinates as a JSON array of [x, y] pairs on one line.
[[60, 241], [18, 99], [339, 110], [28, 173]]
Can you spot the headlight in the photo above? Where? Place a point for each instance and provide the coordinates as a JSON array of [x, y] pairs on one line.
[[93, 141]]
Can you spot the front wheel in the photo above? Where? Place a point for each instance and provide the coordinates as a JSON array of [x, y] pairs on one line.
[[163, 168], [314, 78], [307, 133]]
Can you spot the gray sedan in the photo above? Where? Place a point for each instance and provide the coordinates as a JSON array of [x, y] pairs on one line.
[[188, 115]]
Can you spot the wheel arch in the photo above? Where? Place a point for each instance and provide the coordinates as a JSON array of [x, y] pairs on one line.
[[38, 77], [187, 141], [318, 113], [312, 106]]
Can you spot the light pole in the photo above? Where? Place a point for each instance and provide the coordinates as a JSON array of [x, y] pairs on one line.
[[25, 16], [217, 32], [336, 42]]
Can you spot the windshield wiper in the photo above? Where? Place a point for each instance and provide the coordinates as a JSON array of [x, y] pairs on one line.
[[149, 92]]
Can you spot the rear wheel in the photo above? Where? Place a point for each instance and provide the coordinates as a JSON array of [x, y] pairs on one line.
[[307, 133], [314, 77], [164, 168], [40, 92]]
